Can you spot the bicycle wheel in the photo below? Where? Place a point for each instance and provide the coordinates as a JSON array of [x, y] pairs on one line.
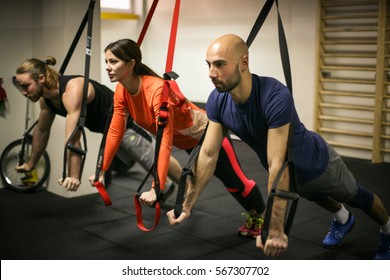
[[25, 181]]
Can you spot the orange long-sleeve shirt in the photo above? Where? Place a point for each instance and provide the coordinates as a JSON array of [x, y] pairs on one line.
[[184, 127]]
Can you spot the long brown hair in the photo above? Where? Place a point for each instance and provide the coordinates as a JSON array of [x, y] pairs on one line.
[[126, 50], [36, 67]]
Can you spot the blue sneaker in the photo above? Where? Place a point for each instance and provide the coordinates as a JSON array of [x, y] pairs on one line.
[[383, 252], [337, 232]]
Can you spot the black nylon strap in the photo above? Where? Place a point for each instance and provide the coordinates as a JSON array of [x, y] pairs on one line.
[[187, 171], [291, 195], [25, 137], [83, 113], [131, 124], [259, 22], [159, 135], [100, 159], [284, 51]]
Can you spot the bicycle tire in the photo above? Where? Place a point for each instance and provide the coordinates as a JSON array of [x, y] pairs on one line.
[[9, 160]]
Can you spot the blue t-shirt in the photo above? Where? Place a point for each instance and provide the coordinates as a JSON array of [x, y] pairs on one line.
[[270, 105]]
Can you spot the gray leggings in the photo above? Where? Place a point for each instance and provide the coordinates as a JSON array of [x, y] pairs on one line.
[[135, 147]]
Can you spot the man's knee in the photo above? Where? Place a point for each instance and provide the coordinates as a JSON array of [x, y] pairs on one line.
[[363, 199]]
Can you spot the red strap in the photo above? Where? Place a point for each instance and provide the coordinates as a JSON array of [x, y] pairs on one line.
[[177, 98], [172, 38], [138, 210], [169, 86], [102, 191], [147, 22]]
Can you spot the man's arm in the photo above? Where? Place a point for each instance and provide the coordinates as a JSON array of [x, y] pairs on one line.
[[72, 100], [277, 241], [41, 136], [203, 170]]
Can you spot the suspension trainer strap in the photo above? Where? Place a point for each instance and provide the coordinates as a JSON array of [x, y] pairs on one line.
[[259, 22], [187, 171], [178, 99], [137, 203], [132, 125], [99, 186], [147, 22], [83, 113], [25, 137], [290, 195], [282, 38], [294, 185]]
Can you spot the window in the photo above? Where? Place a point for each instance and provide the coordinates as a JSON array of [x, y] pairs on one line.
[[116, 5]]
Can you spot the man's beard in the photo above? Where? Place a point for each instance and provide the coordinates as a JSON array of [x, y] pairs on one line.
[[38, 93], [230, 84]]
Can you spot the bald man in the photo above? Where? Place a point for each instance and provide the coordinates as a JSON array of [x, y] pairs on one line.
[[260, 110]]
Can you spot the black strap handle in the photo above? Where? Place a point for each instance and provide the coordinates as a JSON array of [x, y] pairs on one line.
[[283, 194], [83, 113]]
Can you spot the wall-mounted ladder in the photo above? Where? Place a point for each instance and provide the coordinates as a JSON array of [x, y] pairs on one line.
[[353, 101]]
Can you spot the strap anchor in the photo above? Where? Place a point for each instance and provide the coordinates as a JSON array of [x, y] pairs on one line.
[[172, 75]]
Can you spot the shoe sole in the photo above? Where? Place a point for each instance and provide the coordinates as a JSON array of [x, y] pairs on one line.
[[246, 235], [342, 241], [240, 234]]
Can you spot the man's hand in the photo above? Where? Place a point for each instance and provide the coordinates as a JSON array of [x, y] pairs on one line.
[[275, 245], [25, 167], [71, 184], [185, 214]]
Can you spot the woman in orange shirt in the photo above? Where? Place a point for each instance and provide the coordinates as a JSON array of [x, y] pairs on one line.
[[138, 94]]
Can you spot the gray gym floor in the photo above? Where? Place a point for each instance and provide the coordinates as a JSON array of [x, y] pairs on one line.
[[44, 226]]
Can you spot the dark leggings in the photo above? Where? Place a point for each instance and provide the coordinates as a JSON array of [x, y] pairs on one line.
[[229, 171]]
